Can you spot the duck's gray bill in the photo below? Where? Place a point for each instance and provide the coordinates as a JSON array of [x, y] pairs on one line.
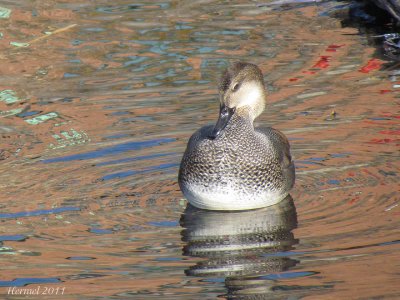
[[225, 114]]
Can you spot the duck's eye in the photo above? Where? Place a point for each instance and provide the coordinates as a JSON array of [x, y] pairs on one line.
[[235, 87]]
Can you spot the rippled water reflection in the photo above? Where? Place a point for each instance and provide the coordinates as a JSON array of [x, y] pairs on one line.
[[246, 250], [97, 101]]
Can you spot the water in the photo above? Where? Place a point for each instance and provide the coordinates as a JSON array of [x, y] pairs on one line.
[[97, 102]]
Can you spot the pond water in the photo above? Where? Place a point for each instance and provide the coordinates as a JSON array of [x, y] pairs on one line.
[[97, 102]]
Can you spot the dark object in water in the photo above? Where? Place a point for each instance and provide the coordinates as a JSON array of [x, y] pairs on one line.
[[391, 6], [379, 20], [391, 45]]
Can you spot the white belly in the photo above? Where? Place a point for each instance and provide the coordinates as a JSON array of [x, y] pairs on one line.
[[230, 199]]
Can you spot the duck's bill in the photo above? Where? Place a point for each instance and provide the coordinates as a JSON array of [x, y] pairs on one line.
[[225, 114]]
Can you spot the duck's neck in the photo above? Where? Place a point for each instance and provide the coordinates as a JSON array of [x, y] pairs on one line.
[[248, 113], [240, 122]]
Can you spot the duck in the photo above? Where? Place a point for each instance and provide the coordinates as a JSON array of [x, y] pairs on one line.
[[232, 165]]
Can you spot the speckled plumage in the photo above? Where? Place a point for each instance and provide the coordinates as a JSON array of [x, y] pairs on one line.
[[242, 167]]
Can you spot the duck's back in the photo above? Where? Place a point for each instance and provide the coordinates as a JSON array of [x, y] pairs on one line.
[[281, 149]]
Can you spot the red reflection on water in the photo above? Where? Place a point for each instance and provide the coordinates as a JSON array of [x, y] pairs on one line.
[[333, 47], [391, 132], [323, 62], [372, 64]]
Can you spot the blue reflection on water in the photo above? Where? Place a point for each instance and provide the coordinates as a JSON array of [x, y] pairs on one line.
[[100, 231], [113, 150], [288, 275], [164, 223], [117, 136], [135, 172], [38, 212], [28, 114], [80, 258], [16, 237], [128, 159], [28, 280]]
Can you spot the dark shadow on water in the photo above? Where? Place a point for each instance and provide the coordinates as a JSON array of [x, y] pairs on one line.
[[380, 28], [245, 250], [372, 18]]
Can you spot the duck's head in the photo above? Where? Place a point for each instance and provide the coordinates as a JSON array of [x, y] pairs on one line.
[[242, 92]]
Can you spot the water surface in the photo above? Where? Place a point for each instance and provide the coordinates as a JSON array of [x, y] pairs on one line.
[[97, 101]]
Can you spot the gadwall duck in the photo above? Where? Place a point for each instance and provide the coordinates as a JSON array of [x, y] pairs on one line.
[[232, 165]]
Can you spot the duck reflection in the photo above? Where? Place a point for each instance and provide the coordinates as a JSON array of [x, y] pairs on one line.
[[244, 247]]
